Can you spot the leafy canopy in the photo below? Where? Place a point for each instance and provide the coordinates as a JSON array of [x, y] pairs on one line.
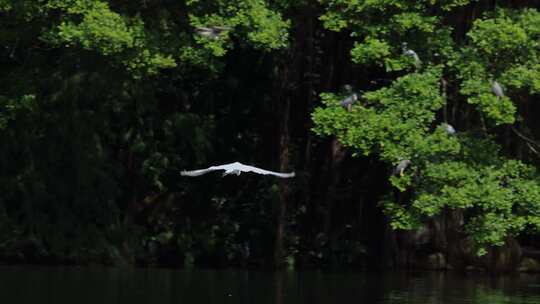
[[499, 196]]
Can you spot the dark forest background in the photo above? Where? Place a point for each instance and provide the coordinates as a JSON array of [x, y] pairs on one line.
[[102, 103]]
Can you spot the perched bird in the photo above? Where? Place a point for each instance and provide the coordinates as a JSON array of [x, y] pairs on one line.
[[236, 168], [411, 53], [245, 250], [497, 89], [348, 102], [212, 32], [444, 86], [347, 88], [401, 166], [449, 129]]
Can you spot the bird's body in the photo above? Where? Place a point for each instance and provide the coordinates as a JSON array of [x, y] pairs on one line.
[[401, 166], [444, 84], [411, 53], [245, 250], [212, 32], [444, 87], [497, 89], [236, 168], [348, 102], [449, 129]]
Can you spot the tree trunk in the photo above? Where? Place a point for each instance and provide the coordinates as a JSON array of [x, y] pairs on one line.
[[279, 252], [282, 102], [337, 155]]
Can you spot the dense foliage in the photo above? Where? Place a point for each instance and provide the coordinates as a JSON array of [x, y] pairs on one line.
[[498, 194], [102, 102]]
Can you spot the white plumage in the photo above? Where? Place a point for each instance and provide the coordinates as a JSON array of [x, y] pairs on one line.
[[497, 89], [212, 32], [235, 168], [449, 129]]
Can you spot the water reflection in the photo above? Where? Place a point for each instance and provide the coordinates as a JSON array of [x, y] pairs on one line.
[[135, 286]]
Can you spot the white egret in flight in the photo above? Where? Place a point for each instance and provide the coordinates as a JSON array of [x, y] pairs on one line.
[[235, 168]]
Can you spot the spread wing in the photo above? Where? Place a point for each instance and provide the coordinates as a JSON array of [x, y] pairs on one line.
[[204, 171], [236, 166], [246, 168]]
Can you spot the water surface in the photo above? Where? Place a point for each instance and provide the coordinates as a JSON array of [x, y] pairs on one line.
[[136, 286]]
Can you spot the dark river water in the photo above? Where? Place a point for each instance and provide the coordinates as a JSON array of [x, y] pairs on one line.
[[116, 285]]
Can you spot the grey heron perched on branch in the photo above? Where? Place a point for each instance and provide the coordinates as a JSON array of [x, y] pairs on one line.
[[401, 166], [235, 168], [411, 53], [212, 32], [497, 89], [348, 102]]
